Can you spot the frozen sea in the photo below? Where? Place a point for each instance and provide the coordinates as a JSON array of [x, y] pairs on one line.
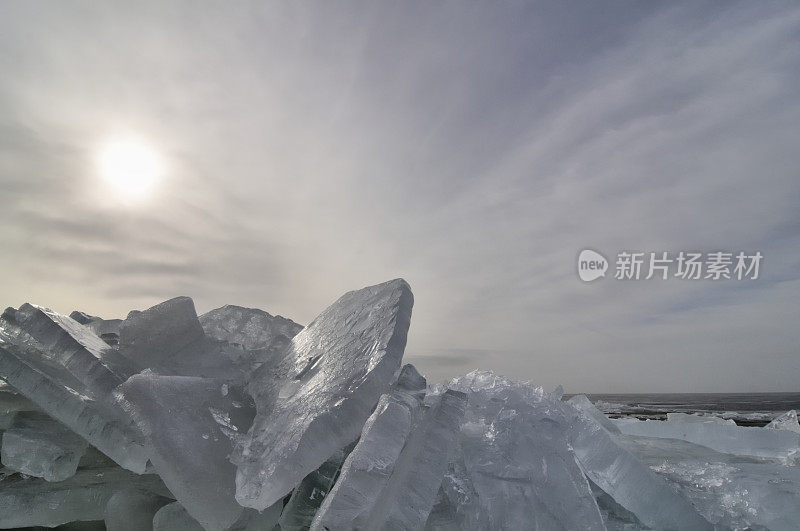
[[746, 409]]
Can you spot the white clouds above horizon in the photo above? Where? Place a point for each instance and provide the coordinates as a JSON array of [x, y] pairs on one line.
[[472, 150]]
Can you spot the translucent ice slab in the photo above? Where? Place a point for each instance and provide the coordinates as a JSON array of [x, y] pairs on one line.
[[333, 374], [38, 446], [189, 423], [513, 467]]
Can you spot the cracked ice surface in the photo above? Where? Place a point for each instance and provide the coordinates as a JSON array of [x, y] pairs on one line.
[[251, 328], [513, 468], [335, 371]]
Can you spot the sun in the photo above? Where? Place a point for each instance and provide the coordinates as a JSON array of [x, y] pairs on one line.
[[130, 166]]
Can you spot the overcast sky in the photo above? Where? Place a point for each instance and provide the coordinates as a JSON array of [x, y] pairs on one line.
[[472, 148]]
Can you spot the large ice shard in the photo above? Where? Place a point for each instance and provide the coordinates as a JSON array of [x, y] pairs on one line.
[[38, 446], [189, 423], [332, 376], [787, 421], [782, 445], [64, 343], [69, 372], [52, 388], [513, 468], [367, 470]]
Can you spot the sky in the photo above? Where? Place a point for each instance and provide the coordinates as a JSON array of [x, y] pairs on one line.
[[473, 148]]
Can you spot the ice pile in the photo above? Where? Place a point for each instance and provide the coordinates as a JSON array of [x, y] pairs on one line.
[[240, 420]]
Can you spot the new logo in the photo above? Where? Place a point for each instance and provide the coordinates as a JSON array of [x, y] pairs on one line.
[[591, 265]]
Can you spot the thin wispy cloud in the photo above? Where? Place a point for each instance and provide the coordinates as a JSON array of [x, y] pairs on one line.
[[473, 150]]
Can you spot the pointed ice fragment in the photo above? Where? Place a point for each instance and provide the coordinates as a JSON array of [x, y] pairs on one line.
[[585, 405], [558, 392], [787, 421], [82, 317], [336, 369]]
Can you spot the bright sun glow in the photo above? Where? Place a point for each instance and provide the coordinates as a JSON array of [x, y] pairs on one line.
[[130, 166]]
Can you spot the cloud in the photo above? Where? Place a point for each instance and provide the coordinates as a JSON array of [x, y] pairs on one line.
[[473, 150]]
